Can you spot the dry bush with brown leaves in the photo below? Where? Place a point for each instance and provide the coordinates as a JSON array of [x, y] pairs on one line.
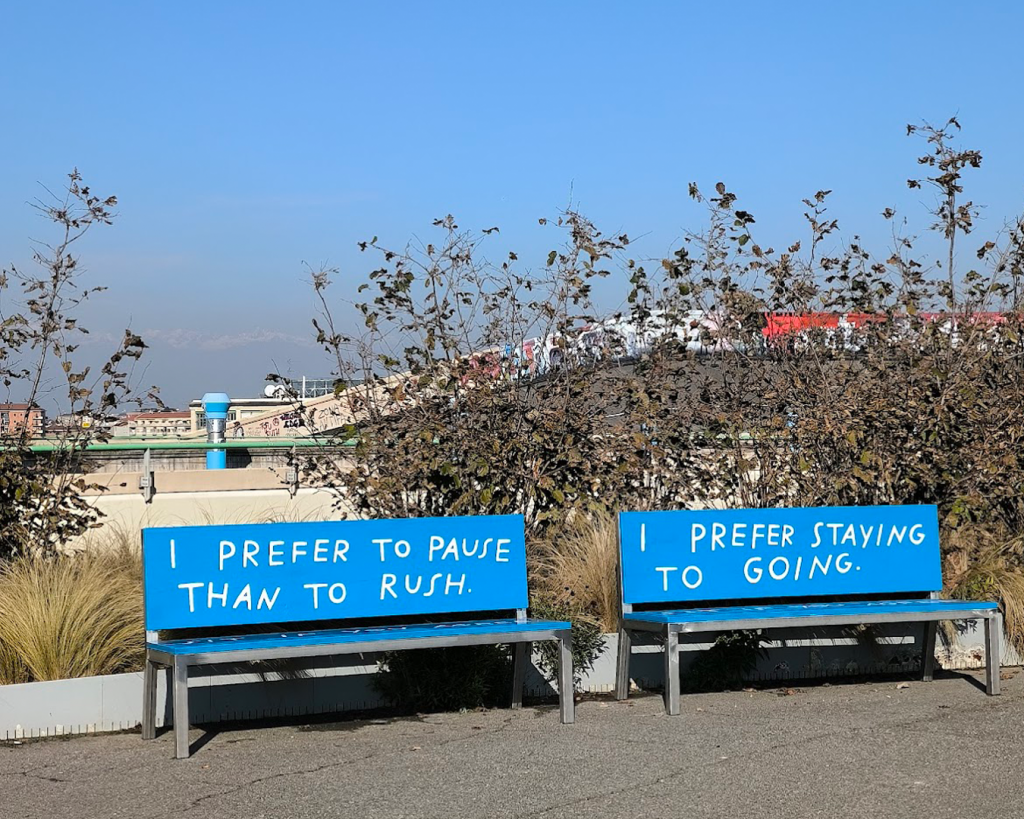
[[914, 398]]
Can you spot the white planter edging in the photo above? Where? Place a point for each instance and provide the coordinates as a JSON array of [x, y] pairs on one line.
[[80, 706], [114, 703]]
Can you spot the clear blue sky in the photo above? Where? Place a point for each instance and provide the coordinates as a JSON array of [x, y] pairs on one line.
[[245, 137]]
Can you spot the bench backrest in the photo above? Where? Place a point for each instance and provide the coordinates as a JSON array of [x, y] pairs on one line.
[[707, 555], [205, 576]]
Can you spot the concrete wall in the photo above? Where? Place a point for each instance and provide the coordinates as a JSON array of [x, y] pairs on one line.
[[190, 481], [101, 463], [200, 497], [114, 702]]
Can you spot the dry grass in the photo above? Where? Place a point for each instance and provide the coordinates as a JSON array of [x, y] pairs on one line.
[[577, 568], [73, 616], [984, 565], [12, 669]]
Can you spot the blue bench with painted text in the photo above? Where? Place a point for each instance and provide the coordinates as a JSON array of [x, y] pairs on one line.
[[686, 572], [352, 586]]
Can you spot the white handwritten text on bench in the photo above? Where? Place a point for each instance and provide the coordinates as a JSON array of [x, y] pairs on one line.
[[713, 554], [344, 569]]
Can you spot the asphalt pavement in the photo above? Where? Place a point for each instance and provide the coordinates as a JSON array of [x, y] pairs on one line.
[[880, 749]]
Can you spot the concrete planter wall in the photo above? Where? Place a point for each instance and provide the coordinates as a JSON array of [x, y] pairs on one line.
[[114, 703]]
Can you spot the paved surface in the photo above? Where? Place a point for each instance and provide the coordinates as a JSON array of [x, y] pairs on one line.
[[939, 749]]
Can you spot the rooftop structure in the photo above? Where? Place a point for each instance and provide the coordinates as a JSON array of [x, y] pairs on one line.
[[159, 424], [310, 387], [14, 418]]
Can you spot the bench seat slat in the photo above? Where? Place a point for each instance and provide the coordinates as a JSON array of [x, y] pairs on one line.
[[350, 636], [787, 611]]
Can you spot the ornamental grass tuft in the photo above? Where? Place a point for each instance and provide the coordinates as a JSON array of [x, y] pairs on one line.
[[71, 616], [577, 567]]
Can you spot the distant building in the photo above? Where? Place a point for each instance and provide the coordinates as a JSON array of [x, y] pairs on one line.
[[71, 423], [159, 424], [239, 410], [14, 418]]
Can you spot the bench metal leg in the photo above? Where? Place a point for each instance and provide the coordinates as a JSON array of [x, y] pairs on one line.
[[622, 664], [522, 658], [993, 644], [566, 689], [928, 650], [180, 708], [149, 700], [671, 673]]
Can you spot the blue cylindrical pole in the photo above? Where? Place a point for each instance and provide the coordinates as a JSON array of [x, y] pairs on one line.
[[215, 405]]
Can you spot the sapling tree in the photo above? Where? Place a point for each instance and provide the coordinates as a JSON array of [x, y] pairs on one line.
[[953, 217], [41, 493], [445, 422]]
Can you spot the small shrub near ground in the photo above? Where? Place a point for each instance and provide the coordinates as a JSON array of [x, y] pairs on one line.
[[727, 663], [71, 616], [446, 679], [587, 640]]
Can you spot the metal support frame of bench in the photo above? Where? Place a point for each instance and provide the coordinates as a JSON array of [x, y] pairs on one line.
[[669, 634], [178, 665]]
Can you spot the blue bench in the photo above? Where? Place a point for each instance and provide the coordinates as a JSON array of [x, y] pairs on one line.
[[243, 578], [688, 572]]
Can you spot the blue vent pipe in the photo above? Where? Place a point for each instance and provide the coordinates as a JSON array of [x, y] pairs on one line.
[[215, 405]]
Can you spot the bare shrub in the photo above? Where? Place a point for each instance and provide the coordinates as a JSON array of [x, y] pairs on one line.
[[746, 371], [442, 425]]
